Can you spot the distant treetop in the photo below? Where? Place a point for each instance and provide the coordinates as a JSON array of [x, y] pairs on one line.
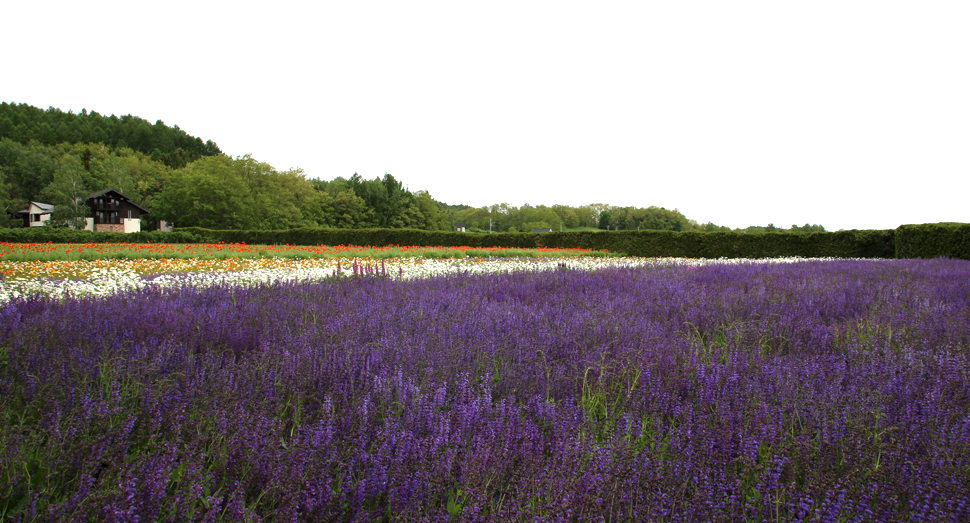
[[169, 145]]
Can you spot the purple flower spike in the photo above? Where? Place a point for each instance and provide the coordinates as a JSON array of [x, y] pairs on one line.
[[812, 391]]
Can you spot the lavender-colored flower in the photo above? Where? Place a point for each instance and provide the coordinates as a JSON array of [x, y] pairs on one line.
[[811, 391]]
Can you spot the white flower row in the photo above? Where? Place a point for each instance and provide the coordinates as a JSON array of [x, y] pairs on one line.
[[120, 276]]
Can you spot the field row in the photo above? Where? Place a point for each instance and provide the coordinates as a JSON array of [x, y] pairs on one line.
[[100, 251], [104, 277], [660, 391]]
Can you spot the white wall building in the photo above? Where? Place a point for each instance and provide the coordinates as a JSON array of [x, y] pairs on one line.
[[37, 214]]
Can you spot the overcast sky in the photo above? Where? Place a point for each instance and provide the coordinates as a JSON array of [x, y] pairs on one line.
[[850, 114]]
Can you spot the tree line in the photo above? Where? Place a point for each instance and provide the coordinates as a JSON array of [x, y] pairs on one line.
[[59, 158], [241, 193], [504, 217], [169, 145], [217, 192]]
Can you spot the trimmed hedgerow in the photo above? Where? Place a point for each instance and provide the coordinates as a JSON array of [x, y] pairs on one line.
[[931, 240], [842, 244], [692, 244], [66, 235]]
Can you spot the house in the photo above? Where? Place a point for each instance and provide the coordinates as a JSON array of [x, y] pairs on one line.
[[541, 230], [459, 227], [112, 211], [36, 214]]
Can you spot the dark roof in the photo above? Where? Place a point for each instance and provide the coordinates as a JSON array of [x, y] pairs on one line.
[[104, 192], [459, 224], [46, 207], [118, 194]]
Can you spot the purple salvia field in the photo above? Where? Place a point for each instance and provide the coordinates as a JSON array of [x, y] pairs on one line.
[[813, 391]]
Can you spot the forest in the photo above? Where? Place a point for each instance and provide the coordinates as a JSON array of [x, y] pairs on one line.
[[60, 157]]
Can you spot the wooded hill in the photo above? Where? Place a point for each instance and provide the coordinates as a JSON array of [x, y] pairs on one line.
[[169, 145], [57, 157]]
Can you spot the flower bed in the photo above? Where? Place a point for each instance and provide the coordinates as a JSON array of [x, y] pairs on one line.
[[47, 252], [103, 277], [810, 391]]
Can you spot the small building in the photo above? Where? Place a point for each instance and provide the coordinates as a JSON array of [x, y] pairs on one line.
[[36, 214], [459, 227], [541, 230], [112, 211]]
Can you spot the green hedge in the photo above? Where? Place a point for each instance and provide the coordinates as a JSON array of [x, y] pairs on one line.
[[932, 240], [842, 244], [909, 241], [320, 236], [65, 235]]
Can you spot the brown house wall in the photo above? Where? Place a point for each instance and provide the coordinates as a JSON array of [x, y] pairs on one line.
[[122, 209], [125, 207], [109, 227]]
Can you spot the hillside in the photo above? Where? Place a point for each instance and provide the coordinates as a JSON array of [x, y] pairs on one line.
[[57, 157]]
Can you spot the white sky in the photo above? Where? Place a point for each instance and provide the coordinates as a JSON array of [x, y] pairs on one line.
[[851, 114]]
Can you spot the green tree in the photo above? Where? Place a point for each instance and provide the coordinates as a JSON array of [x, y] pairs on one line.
[[531, 226], [147, 177], [808, 228], [350, 211], [501, 215], [175, 147], [117, 176], [589, 215], [606, 218], [7, 128], [34, 171], [285, 200], [431, 216], [210, 192], [396, 200], [8, 204], [474, 217], [68, 192]]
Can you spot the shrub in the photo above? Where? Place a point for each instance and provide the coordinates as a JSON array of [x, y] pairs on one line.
[[693, 244], [65, 235], [931, 240]]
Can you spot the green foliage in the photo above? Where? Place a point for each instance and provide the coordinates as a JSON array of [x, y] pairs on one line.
[[507, 218], [63, 173], [240, 193], [606, 218], [169, 145], [695, 244], [346, 210], [931, 240], [184, 181], [357, 203], [650, 218], [28, 168], [691, 244], [66, 235], [68, 192], [757, 229], [808, 228], [211, 192]]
